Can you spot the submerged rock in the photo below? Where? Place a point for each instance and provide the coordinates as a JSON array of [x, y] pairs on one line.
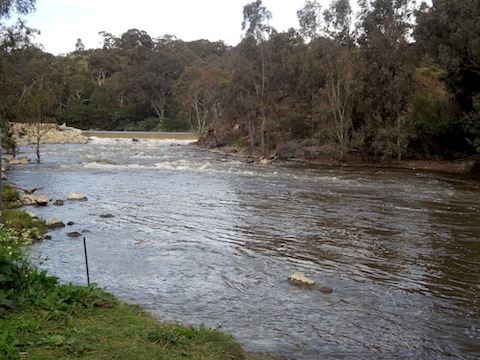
[[324, 289], [106, 216], [74, 234]]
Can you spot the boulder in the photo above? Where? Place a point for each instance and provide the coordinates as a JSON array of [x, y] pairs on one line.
[[106, 216], [34, 199], [76, 196], [58, 202], [54, 223], [300, 279]]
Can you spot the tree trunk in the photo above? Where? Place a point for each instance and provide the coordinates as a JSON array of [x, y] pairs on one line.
[[264, 140]]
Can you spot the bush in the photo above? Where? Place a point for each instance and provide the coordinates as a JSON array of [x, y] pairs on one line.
[[13, 269], [10, 197]]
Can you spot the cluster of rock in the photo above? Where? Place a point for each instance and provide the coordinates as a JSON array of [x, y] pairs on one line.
[[29, 198], [8, 161], [46, 133]]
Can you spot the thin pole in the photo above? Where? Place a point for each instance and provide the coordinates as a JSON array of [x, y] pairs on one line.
[[86, 260], [1, 209]]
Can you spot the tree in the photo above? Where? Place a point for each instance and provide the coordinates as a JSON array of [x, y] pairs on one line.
[[330, 68], [309, 18], [79, 46], [255, 20], [339, 87], [257, 29], [41, 91], [135, 39], [449, 32], [339, 22], [387, 75], [150, 77], [200, 93], [21, 7], [12, 37]]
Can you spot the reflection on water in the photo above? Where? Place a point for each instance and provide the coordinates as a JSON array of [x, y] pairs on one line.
[[195, 239]]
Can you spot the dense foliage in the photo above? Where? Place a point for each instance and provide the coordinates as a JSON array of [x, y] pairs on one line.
[[392, 80]]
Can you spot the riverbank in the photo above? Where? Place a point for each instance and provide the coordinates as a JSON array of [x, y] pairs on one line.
[[31, 133], [84, 323], [468, 165]]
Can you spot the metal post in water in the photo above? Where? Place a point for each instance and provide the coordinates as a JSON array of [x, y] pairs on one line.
[[86, 260]]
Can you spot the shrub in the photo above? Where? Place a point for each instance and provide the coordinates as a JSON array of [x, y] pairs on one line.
[[12, 267], [10, 197]]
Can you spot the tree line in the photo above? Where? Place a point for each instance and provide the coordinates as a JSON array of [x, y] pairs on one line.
[[392, 80]]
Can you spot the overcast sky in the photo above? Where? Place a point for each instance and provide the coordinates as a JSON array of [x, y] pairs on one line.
[[62, 22]]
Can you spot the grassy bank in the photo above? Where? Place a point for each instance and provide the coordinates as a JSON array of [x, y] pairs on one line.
[[42, 319], [94, 326]]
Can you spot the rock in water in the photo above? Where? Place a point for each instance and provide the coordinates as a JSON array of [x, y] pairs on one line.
[[32, 199], [74, 234], [324, 289], [76, 196], [300, 279], [54, 223]]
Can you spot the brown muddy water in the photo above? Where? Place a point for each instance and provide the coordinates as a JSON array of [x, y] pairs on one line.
[[199, 240]]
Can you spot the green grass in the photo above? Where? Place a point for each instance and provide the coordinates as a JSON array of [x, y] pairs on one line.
[[110, 330]]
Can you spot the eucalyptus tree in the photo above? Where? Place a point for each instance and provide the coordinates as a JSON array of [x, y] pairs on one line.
[[387, 73], [41, 90], [21, 7], [12, 37], [339, 22], [330, 69], [286, 104], [200, 91], [148, 73], [448, 33], [255, 23], [310, 19]]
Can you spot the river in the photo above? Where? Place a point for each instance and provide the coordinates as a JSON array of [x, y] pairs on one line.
[[198, 238]]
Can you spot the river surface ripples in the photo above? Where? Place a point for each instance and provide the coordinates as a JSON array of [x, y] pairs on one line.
[[200, 239]]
